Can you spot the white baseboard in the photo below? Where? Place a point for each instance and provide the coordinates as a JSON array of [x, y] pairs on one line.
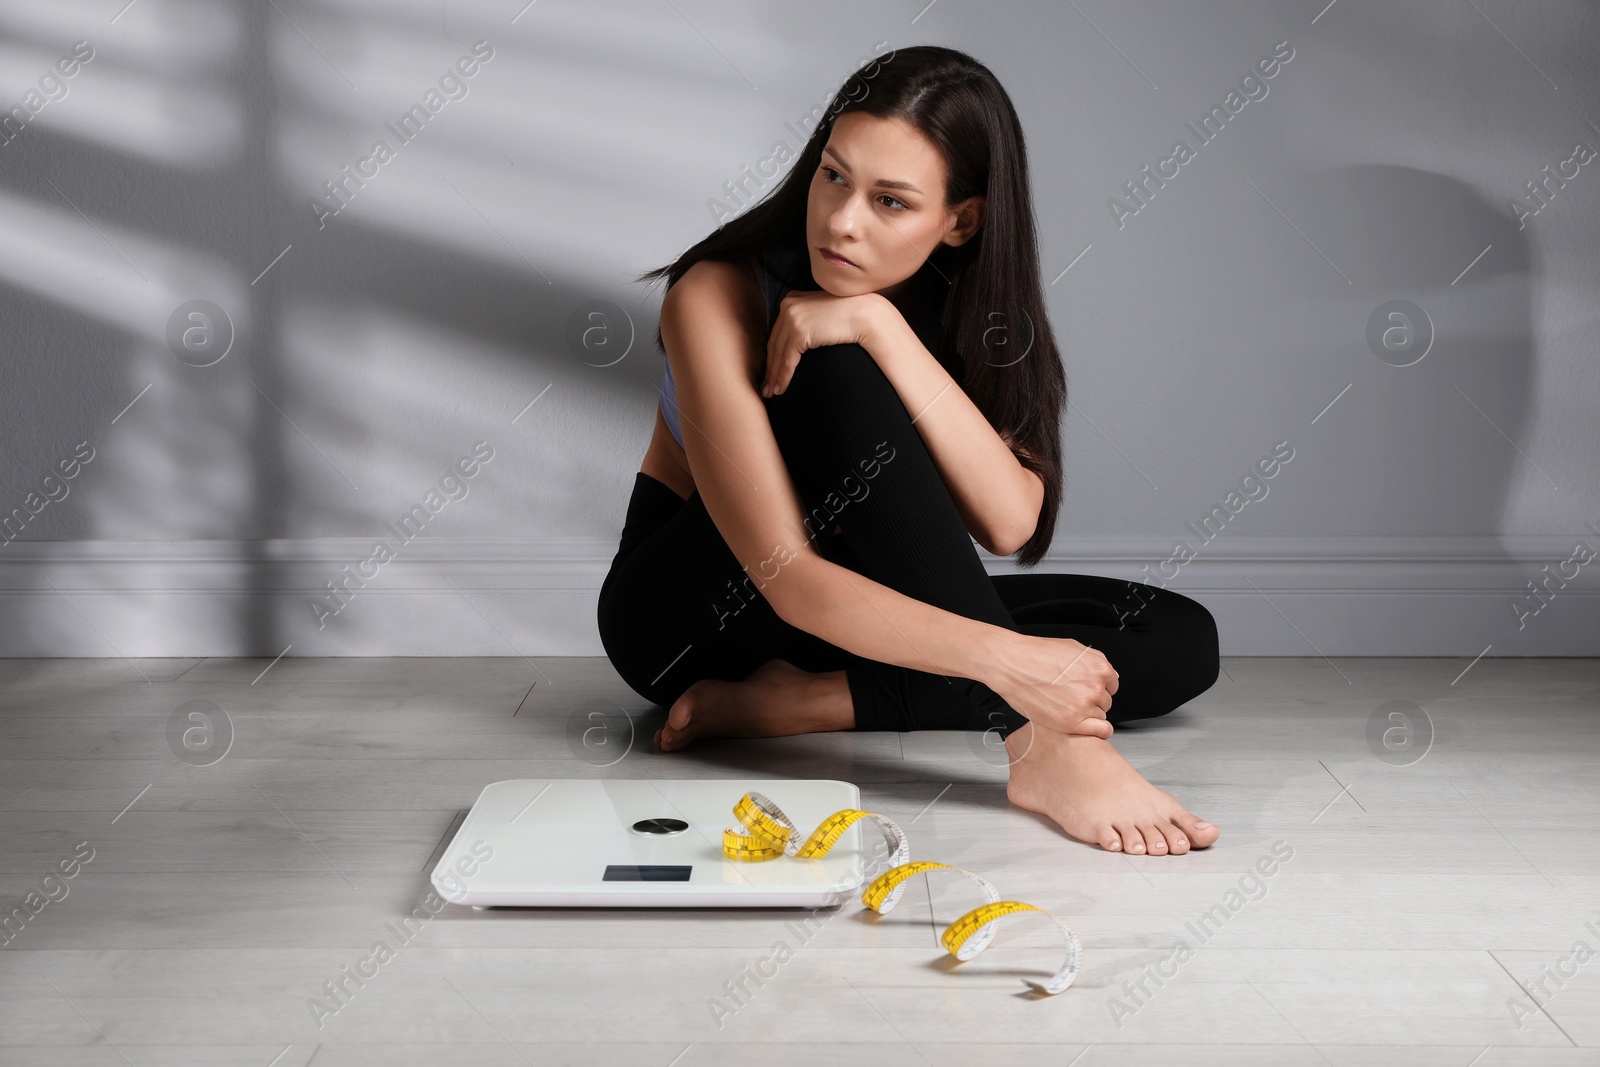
[[1272, 596]]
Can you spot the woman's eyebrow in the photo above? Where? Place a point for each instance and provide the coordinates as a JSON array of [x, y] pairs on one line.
[[882, 182]]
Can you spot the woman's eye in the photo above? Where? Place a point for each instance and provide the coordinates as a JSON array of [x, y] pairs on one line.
[[893, 203]]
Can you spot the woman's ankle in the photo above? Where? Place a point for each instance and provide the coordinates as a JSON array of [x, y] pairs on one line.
[[820, 701]]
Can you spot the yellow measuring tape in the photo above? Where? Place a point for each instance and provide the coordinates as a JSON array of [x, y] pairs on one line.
[[767, 833]]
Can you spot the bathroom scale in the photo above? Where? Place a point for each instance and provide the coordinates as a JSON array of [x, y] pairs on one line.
[[585, 842]]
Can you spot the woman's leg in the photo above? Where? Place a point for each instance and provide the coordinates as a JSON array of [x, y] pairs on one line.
[[901, 528], [684, 632], [1162, 644], [857, 460], [676, 608]]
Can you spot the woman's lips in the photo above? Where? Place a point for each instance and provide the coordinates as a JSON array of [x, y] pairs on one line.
[[835, 259]]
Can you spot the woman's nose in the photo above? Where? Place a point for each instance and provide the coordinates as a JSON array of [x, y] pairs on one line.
[[843, 220]]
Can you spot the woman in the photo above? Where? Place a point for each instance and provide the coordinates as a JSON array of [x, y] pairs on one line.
[[844, 412]]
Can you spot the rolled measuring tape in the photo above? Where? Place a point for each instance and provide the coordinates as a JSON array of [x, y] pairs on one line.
[[767, 833]]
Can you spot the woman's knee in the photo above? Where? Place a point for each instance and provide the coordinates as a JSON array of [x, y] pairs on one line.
[[1189, 633], [624, 643], [614, 641], [833, 376], [837, 413], [637, 676], [1177, 659]]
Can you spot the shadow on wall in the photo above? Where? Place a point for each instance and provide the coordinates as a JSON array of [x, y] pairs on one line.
[[389, 344], [1422, 303], [1419, 455]]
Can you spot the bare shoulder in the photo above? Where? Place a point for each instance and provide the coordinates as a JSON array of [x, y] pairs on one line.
[[726, 292]]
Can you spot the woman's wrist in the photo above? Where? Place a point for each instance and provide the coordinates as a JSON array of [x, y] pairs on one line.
[[883, 329], [993, 657]]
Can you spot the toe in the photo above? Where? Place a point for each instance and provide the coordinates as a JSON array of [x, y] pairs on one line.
[[682, 711], [1177, 841], [1109, 839], [1199, 832], [1132, 839], [1155, 842]]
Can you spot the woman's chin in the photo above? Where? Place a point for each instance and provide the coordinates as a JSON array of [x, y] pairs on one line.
[[833, 288]]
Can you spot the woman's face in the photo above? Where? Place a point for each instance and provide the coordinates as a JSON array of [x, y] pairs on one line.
[[877, 201]]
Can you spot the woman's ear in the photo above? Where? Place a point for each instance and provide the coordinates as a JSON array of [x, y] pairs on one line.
[[968, 216]]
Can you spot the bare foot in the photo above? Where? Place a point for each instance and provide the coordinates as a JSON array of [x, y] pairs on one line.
[[778, 700], [1096, 796]]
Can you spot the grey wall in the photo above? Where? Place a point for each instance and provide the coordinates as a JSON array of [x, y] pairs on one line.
[[1227, 314]]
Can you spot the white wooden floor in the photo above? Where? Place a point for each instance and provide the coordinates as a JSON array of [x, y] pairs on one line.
[[221, 898]]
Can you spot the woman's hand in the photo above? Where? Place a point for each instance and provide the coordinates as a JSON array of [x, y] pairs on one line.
[[1058, 683], [808, 320]]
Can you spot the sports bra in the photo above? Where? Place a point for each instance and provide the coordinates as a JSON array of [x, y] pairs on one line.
[[781, 271]]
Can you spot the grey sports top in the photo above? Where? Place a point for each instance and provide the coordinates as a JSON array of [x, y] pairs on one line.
[[782, 270]]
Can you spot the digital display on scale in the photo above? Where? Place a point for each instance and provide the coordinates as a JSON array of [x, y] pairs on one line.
[[619, 872]]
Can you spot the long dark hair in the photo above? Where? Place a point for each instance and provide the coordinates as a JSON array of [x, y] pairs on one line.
[[994, 304]]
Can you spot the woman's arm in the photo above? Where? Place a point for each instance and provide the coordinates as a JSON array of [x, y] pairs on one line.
[[999, 499], [743, 480]]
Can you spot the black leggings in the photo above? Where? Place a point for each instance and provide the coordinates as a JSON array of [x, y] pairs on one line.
[[676, 605]]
